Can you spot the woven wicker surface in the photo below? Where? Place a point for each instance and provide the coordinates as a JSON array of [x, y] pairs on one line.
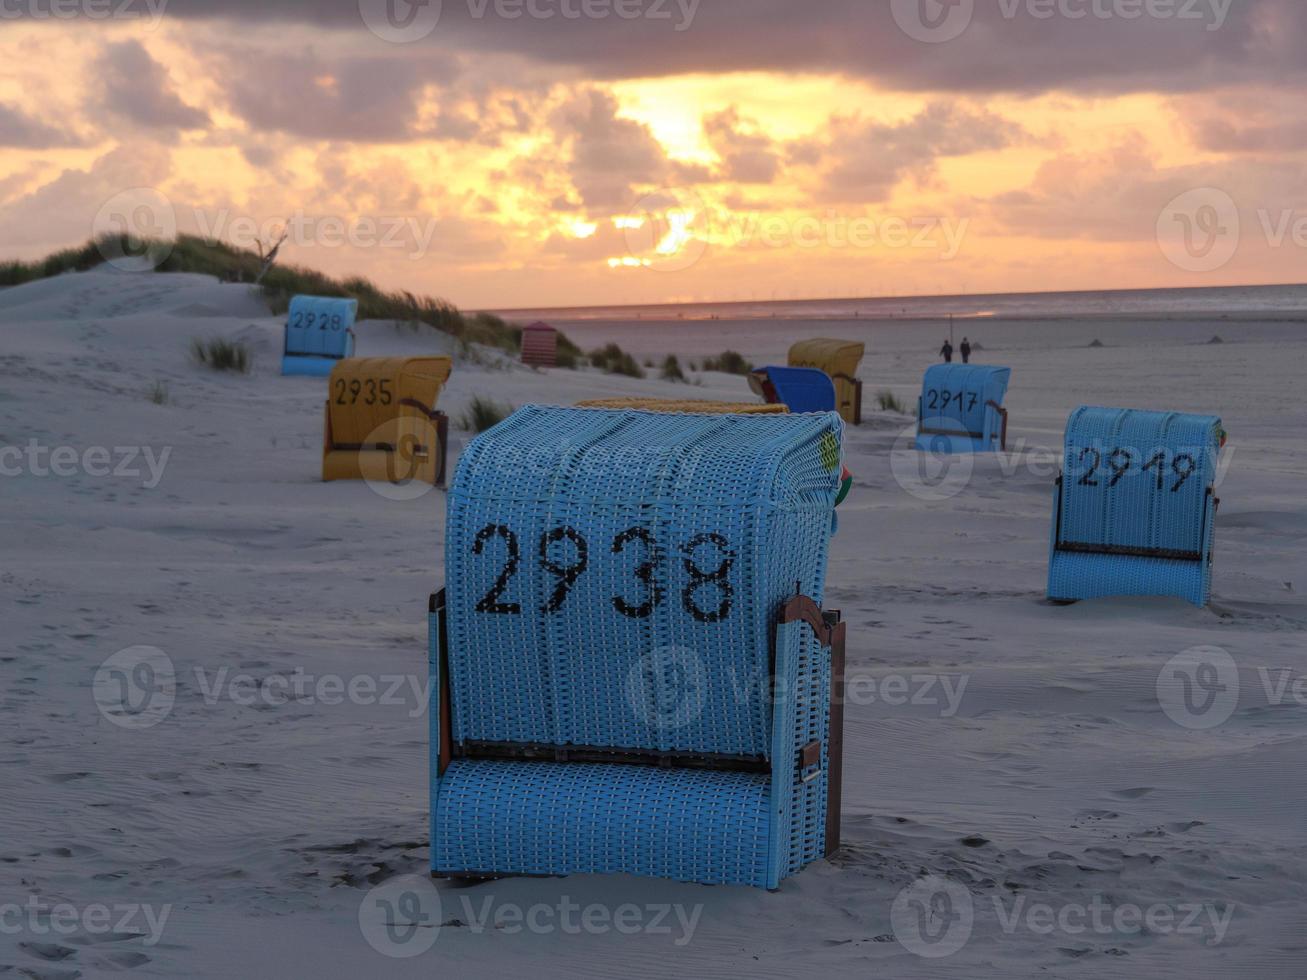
[[319, 325], [365, 395], [686, 406], [955, 399], [599, 561], [829, 355], [1137, 509]]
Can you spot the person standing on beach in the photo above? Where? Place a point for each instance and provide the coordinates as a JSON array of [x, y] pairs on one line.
[[947, 352], [966, 351]]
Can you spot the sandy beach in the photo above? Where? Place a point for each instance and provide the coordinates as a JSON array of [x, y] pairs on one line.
[[1018, 751]]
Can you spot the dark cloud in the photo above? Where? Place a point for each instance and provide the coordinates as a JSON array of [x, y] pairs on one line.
[[135, 87], [1010, 45], [17, 129], [748, 156], [609, 155], [862, 160]]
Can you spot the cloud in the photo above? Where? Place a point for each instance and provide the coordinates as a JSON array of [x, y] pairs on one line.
[[19, 130], [61, 212], [863, 160], [609, 155], [136, 87], [748, 156], [1188, 46]]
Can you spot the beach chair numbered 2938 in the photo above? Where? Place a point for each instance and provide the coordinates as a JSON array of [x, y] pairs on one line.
[[961, 409], [1135, 508], [319, 334], [633, 671]]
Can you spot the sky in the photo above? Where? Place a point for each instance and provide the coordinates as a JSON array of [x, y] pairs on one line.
[[530, 153]]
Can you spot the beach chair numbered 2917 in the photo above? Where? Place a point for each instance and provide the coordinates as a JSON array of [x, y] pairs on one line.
[[633, 669]]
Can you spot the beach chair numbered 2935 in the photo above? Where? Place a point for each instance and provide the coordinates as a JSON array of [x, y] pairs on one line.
[[961, 409], [633, 671], [381, 421], [319, 334], [1135, 508]]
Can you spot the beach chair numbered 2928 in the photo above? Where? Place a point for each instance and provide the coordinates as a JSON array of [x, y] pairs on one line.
[[319, 334], [633, 673], [1135, 507]]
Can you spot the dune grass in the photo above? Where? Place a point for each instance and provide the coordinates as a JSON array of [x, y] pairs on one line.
[[483, 413], [613, 360], [222, 355], [671, 370], [157, 393], [889, 402], [730, 362]]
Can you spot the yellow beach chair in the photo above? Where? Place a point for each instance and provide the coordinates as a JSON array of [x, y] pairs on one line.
[[382, 423]]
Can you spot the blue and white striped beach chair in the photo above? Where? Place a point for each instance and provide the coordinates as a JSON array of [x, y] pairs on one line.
[[318, 334], [634, 673], [961, 409], [1135, 508]]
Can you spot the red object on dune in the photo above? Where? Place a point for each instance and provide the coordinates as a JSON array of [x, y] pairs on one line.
[[539, 345]]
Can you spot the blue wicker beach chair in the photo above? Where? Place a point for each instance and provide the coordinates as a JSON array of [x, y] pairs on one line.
[[1135, 507], [961, 409], [634, 673], [798, 389], [318, 335]]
